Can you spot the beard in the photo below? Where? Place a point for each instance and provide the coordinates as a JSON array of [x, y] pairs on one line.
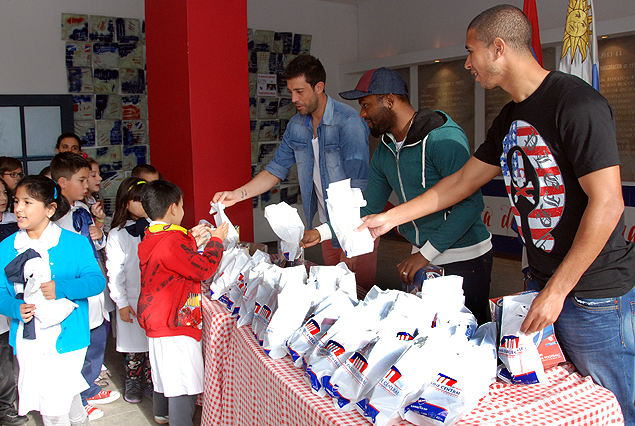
[[384, 120]]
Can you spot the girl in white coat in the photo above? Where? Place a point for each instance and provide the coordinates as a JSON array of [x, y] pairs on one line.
[[124, 281]]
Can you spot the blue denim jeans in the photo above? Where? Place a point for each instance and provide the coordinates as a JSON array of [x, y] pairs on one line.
[[598, 336]]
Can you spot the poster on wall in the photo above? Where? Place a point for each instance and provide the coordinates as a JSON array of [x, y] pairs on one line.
[[80, 80], [128, 30], [107, 107], [102, 28], [267, 85], [105, 55], [134, 107], [74, 27], [78, 54], [106, 81], [86, 132], [83, 108]]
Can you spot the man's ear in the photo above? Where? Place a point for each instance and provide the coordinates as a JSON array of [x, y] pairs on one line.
[[499, 47], [319, 87], [62, 182], [173, 209]]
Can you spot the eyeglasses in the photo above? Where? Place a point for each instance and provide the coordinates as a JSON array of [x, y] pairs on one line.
[[14, 174]]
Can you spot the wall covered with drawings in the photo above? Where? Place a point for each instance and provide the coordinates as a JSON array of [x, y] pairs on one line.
[[270, 106], [105, 63]]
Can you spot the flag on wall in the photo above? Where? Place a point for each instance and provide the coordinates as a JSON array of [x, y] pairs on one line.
[[529, 8], [579, 44]]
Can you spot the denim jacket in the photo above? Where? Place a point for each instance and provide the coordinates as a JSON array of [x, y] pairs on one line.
[[343, 142]]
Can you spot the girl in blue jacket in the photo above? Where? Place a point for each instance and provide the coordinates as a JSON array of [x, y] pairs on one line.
[[50, 345]]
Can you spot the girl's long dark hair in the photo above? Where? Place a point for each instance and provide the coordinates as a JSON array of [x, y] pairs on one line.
[[129, 190], [47, 191], [9, 196]]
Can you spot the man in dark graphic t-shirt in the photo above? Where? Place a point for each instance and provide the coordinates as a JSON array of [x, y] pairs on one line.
[[556, 147]]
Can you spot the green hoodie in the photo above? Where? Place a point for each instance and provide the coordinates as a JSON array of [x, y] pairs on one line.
[[434, 148]]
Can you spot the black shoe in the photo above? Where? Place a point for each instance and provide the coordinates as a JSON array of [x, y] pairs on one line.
[[133, 393], [11, 418], [149, 389]]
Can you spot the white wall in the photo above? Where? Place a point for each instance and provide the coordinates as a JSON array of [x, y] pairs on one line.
[[32, 49]]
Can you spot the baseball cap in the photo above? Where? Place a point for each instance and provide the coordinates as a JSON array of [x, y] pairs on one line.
[[379, 81]]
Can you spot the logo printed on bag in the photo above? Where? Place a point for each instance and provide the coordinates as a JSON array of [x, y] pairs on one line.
[[358, 362], [510, 344], [334, 348], [393, 375], [402, 335], [266, 312], [312, 327], [446, 384]]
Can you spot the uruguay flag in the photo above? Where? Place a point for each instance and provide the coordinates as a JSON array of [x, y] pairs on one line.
[[529, 9], [579, 44]]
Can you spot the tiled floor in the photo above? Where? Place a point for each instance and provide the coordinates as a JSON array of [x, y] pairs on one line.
[[506, 279]]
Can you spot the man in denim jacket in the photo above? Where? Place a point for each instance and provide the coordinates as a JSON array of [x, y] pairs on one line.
[[329, 142]]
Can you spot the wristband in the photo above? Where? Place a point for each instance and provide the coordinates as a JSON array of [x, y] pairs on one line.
[[99, 220]]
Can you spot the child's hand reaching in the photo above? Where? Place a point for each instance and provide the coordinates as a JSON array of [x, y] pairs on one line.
[[220, 232], [201, 233]]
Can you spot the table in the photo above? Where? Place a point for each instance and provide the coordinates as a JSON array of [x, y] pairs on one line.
[[243, 386]]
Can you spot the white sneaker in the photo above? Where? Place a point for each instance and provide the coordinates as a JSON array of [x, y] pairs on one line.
[[161, 419], [94, 413]]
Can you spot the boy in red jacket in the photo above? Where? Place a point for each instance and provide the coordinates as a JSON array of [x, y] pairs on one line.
[[169, 308]]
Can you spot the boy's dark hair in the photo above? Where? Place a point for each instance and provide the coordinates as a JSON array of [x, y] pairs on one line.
[[158, 196], [66, 164], [129, 190], [47, 191], [507, 22], [308, 66], [139, 169], [45, 171], [68, 135], [8, 164]]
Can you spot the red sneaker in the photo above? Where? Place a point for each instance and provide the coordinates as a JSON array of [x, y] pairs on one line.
[[94, 413], [104, 397]]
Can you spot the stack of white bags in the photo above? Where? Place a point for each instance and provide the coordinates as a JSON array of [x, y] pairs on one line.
[[393, 355]]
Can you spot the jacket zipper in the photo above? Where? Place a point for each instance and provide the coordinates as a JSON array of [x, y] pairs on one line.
[[403, 193]]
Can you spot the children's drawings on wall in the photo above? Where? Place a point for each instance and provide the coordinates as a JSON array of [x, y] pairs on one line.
[[105, 60]]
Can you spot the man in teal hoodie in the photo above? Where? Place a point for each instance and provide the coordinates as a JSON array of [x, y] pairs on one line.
[[417, 149]]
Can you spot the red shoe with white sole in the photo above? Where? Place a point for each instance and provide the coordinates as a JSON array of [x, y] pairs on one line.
[[104, 397]]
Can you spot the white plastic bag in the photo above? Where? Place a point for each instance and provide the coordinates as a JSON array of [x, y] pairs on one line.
[[255, 277], [218, 210], [413, 370], [294, 301], [229, 270], [363, 370], [49, 312], [343, 203], [327, 312], [287, 225], [517, 350]]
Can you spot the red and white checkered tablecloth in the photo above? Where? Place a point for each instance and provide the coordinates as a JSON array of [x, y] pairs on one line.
[[249, 388], [218, 327]]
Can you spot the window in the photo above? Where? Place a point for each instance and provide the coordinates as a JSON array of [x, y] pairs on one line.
[[30, 126]]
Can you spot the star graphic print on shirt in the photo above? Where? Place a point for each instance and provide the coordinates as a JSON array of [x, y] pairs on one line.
[[534, 184]]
